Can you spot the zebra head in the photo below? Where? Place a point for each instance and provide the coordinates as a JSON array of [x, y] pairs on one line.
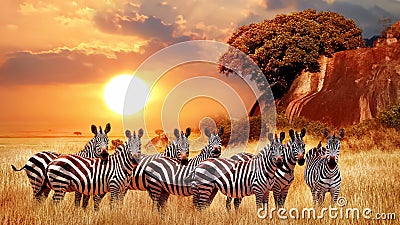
[[182, 145], [214, 142], [277, 148], [333, 147], [296, 146], [100, 141], [134, 144]]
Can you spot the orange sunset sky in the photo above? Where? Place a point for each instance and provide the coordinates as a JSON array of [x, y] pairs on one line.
[[56, 57]]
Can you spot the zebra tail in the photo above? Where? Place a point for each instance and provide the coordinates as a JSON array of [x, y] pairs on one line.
[[15, 169]]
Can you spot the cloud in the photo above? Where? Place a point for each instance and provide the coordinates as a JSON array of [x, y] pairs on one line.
[[134, 23], [64, 66], [366, 14]]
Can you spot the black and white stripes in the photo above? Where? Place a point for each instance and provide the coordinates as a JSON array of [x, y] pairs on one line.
[[237, 178], [36, 166], [179, 149], [167, 176], [322, 173], [95, 176]]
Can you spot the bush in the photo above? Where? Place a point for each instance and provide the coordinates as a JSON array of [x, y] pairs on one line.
[[235, 130], [391, 117]]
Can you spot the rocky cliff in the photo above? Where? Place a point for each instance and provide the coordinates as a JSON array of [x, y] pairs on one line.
[[352, 86]]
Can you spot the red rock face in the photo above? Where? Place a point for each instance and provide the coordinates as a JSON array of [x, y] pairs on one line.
[[352, 86]]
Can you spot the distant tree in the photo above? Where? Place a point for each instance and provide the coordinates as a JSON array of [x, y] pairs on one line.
[[288, 44], [392, 31], [115, 143], [77, 133], [159, 132]]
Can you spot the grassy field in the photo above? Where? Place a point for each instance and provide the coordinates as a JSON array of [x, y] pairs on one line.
[[370, 180]]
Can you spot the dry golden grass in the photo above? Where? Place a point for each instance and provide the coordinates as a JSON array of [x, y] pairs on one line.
[[370, 180]]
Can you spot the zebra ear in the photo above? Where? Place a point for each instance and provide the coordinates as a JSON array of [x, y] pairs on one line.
[[188, 131], [108, 128], [176, 133], [271, 137], [303, 132], [291, 134], [128, 134], [207, 132], [221, 131], [282, 136], [341, 134], [94, 129], [140, 133], [319, 144], [326, 133]]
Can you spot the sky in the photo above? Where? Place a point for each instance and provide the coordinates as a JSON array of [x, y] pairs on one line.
[[57, 56]]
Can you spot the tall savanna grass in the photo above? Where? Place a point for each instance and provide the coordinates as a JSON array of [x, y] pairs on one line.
[[370, 175]]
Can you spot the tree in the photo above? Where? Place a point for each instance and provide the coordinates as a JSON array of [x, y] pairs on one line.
[[288, 44], [77, 133]]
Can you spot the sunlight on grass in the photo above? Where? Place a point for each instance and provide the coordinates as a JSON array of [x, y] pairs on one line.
[[370, 180]]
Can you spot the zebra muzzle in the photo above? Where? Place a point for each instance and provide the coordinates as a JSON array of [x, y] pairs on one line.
[[279, 162], [300, 159], [184, 159], [216, 152]]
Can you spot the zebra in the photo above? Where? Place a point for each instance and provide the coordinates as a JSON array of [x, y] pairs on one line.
[[238, 178], [294, 152], [167, 176], [179, 149], [90, 176], [322, 173], [36, 166]]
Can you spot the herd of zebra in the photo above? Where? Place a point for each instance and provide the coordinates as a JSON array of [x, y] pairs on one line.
[[93, 172]]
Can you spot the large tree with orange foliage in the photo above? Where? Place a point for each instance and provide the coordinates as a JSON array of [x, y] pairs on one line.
[[286, 45]]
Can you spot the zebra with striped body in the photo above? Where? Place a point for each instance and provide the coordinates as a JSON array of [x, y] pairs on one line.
[[178, 149], [36, 166], [238, 179], [322, 173], [294, 152], [89, 176], [167, 176]]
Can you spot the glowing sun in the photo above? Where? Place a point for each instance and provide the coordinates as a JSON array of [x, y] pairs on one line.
[[116, 91]]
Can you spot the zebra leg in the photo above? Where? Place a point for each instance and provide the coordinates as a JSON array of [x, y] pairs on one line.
[[236, 202], [314, 196], [201, 198], [78, 197], [85, 201], [321, 198], [58, 196], [228, 203], [97, 200], [115, 195], [42, 195], [161, 201], [212, 196], [283, 196], [277, 197], [334, 195]]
